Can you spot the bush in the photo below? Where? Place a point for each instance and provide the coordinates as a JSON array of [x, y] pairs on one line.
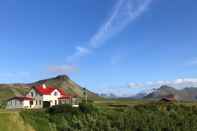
[[87, 107], [2, 104], [38, 119], [88, 117], [64, 108]]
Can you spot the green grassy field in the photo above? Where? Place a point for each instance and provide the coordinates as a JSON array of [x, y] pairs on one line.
[[106, 115], [113, 103], [12, 121], [117, 103]]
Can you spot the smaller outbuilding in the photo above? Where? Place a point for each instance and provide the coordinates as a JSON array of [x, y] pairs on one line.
[[19, 102], [169, 98]]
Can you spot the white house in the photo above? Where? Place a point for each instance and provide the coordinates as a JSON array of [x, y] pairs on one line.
[[42, 96]]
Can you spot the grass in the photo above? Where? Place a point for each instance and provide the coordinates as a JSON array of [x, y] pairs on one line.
[[110, 103], [111, 114], [38, 119], [12, 121], [113, 103]]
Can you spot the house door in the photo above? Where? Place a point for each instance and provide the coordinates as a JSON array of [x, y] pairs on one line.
[[46, 104], [30, 103]]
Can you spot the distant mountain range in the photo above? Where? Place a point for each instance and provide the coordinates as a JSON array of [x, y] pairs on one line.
[[185, 94], [61, 81]]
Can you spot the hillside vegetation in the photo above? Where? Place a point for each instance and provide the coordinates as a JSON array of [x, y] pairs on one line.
[[91, 117], [12, 121], [68, 85], [8, 91]]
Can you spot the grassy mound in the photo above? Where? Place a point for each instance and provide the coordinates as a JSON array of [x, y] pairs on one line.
[[12, 121], [143, 117]]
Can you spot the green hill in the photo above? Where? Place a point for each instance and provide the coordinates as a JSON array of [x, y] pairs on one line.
[[9, 90], [68, 85], [12, 121]]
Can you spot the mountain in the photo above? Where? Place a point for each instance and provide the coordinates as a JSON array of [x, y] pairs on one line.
[[61, 81], [108, 96], [186, 94], [139, 95]]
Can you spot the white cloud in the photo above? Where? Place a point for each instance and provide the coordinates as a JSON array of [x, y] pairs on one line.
[[192, 62], [12, 77], [124, 12], [134, 88], [80, 52], [135, 85], [177, 83], [65, 69]]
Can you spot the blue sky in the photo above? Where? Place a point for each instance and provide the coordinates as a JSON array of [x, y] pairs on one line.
[[104, 45]]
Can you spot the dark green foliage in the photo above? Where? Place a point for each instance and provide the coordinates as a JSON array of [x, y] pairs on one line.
[[2, 104], [87, 108], [60, 109], [38, 119], [145, 117]]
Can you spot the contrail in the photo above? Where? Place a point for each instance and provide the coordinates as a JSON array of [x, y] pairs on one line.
[[123, 13]]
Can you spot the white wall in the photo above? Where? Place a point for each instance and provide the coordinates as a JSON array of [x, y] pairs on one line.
[[52, 97], [14, 103], [26, 104], [37, 98]]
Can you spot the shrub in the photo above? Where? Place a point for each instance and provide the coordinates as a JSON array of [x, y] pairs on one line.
[[2, 104], [38, 119], [146, 117], [87, 107], [65, 108]]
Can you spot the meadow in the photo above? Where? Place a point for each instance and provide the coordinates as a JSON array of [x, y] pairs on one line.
[[109, 115]]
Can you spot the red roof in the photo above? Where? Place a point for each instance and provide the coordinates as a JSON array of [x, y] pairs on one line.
[[65, 97], [49, 89], [21, 98]]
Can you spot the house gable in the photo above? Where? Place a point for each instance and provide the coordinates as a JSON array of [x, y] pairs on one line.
[[56, 93], [33, 93]]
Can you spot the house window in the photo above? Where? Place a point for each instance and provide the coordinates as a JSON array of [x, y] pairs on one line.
[[31, 102], [36, 102], [55, 94], [32, 94], [55, 102], [40, 102]]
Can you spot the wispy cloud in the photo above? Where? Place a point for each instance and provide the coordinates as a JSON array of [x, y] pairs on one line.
[[12, 77], [80, 52], [135, 85], [178, 83], [123, 13], [192, 62], [134, 88], [64, 69]]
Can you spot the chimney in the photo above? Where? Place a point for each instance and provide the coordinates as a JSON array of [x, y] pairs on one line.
[[44, 86]]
